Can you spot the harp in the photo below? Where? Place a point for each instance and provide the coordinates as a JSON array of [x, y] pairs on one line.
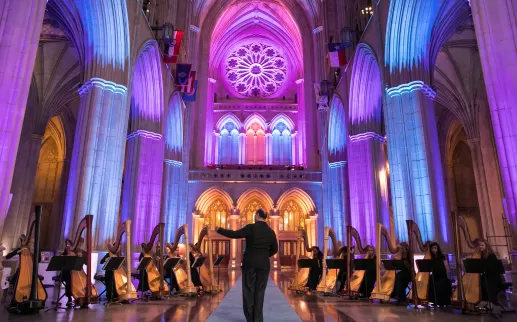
[[29, 293], [123, 286], [468, 292], [420, 281], [183, 278], [354, 281], [328, 280], [300, 275], [82, 289], [386, 283], [206, 273], [155, 272]]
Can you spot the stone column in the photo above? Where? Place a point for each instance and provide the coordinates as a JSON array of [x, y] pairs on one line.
[[20, 28], [300, 125], [171, 197], [275, 225], [23, 190], [416, 176], [293, 149], [242, 148], [56, 240], [235, 244], [95, 178], [269, 148], [143, 183], [367, 181], [209, 145], [496, 34], [492, 224], [217, 139]]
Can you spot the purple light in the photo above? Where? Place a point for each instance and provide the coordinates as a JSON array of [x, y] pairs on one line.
[[256, 69]]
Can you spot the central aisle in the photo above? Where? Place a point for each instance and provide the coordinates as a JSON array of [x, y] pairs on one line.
[[276, 307]]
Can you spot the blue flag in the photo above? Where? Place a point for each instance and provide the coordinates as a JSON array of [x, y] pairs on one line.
[[182, 74], [190, 97]]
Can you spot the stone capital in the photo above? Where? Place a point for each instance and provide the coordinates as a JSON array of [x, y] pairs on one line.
[[103, 84], [411, 87]]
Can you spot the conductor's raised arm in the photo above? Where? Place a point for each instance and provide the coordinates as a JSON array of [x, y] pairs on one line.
[[241, 233]]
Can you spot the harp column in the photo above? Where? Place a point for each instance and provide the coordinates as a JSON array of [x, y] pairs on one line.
[[20, 30], [496, 34], [416, 177], [368, 184]]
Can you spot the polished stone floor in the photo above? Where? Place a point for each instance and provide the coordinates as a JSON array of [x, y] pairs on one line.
[[280, 305]]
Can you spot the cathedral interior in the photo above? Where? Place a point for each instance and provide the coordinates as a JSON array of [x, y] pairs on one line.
[[370, 130]]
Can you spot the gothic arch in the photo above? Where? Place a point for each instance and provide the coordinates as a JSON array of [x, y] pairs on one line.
[[337, 129], [365, 92], [210, 195], [255, 118], [259, 194], [230, 117], [284, 119], [174, 127], [147, 90], [306, 202], [415, 32]]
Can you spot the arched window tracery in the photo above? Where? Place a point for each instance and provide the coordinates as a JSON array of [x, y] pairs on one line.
[[217, 215], [282, 145], [229, 144], [291, 216], [255, 144]]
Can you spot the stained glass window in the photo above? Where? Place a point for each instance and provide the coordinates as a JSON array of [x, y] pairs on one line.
[[218, 215], [256, 70], [291, 216]]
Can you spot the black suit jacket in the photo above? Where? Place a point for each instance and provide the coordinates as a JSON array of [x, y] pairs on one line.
[[261, 243]]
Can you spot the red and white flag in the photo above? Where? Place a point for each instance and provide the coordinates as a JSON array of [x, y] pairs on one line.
[[337, 55], [189, 88], [171, 56]]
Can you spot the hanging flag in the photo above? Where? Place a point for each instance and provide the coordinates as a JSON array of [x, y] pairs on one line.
[[171, 53], [189, 88], [182, 74], [191, 97], [175, 50], [337, 54]]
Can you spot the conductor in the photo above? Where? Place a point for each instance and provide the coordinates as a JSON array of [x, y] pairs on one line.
[[261, 244]]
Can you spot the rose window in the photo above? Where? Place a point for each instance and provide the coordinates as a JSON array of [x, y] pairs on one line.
[[256, 70]]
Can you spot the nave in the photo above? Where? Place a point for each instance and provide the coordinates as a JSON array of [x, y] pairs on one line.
[[305, 307]]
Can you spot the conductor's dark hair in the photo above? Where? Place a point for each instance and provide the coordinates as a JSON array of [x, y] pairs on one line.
[[262, 213]]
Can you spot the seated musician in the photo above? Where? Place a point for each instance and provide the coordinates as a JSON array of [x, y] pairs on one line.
[[194, 272], [341, 276], [315, 271], [67, 278], [370, 277], [439, 288], [109, 277], [402, 279], [143, 279], [173, 285], [491, 282]]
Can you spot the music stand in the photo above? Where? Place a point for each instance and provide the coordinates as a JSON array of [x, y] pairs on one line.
[[142, 268], [169, 265], [429, 266], [364, 265], [394, 265], [337, 264], [307, 263], [60, 264], [112, 264], [217, 263]]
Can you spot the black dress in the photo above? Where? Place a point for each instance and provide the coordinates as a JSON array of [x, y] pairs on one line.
[[370, 277], [143, 279], [402, 279], [315, 273], [491, 281], [67, 279], [109, 277], [439, 282], [194, 273]]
